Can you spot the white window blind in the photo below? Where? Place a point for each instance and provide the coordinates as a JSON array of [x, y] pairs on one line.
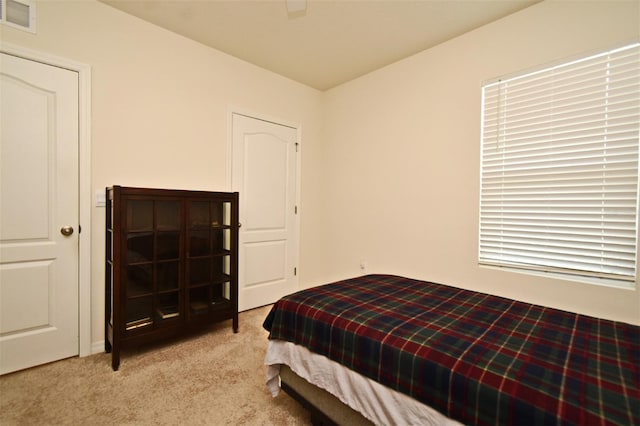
[[559, 180]]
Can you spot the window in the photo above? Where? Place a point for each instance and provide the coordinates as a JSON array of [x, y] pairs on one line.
[[559, 179]]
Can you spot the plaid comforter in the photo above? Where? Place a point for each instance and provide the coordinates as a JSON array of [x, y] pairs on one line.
[[477, 358]]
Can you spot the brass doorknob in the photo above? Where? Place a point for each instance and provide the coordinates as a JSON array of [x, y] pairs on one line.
[[66, 230]]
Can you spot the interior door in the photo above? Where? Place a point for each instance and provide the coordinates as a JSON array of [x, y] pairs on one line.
[[264, 164], [38, 213]]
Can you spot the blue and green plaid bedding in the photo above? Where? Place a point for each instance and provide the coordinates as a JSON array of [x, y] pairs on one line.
[[477, 358]]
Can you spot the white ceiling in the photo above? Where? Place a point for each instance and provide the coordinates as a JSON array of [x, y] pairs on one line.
[[332, 41]]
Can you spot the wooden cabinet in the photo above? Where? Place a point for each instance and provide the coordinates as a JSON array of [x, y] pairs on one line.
[[171, 264]]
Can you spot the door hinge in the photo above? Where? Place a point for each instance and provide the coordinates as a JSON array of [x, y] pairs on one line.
[[297, 146], [295, 271], [295, 209]]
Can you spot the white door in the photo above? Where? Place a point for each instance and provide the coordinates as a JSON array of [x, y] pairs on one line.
[[264, 160], [38, 198]]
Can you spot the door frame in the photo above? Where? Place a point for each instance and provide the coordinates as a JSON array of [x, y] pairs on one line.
[[84, 185], [233, 110]]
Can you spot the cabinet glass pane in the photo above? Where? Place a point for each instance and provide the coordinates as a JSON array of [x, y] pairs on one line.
[[139, 215], [139, 313], [109, 288], [220, 294], [199, 300], [168, 215], [168, 275], [199, 271], [168, 306], [109, 249], [200, 244], [216, 214], [168, 245], [139, 279], [199, 214], [139, 247], [225, 237], [226, 214], [221, 267], [217, 240]]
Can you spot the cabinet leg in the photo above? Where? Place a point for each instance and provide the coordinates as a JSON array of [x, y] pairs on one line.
[[115, 359], [235, 323]]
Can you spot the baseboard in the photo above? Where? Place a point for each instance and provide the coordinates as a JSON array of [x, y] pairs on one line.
[[97, 347]]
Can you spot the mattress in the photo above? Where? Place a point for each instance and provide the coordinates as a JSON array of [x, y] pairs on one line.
[[377, 403]]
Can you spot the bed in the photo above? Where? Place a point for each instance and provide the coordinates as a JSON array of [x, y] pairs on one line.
[[403, 351]]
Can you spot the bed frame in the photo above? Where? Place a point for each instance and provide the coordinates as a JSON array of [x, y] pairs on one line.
[[326, 409]]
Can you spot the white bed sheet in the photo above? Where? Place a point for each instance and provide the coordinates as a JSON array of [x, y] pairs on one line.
[[379, 404]]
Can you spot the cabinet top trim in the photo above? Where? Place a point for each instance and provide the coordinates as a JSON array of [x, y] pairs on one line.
[[163, 192]]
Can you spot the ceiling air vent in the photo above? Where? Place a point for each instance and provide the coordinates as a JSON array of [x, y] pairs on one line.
[[19, 14]]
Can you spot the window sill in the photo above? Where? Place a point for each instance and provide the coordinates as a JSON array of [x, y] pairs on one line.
[[602, 282]]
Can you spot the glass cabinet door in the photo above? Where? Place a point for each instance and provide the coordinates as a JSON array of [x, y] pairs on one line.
[[138, 277], [207, 271], [152, 271]]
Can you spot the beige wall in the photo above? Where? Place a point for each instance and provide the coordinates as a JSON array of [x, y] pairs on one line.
[[403, 147], [160, 106]]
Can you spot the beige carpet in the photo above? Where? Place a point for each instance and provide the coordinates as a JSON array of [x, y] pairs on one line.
[[215, 378]]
